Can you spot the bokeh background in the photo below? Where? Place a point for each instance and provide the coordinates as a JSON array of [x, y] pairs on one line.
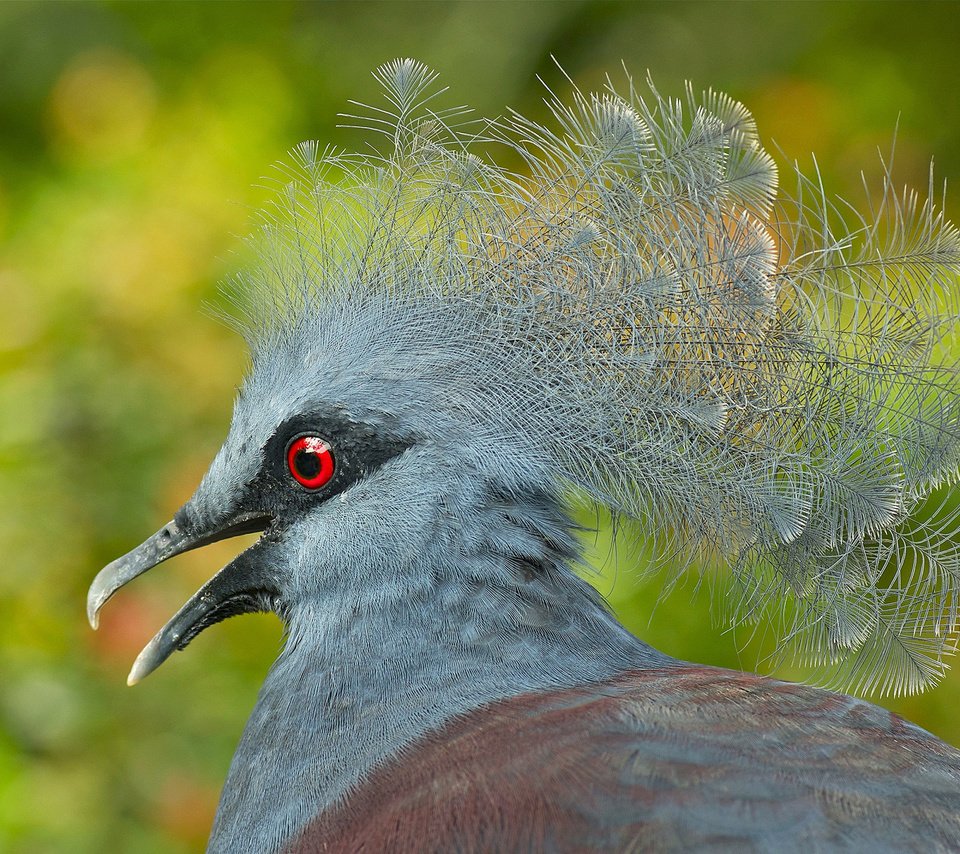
[[132, 139]]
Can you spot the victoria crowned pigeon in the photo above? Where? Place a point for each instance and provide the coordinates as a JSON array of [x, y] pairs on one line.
[[454, 360]]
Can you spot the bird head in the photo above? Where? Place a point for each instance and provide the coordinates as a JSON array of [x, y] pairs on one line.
[[359, 439], [637, 321]]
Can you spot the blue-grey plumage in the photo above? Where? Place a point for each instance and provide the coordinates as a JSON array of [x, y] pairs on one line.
[[446, 354]]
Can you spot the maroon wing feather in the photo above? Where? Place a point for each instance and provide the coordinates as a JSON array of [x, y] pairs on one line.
[[674, 759]]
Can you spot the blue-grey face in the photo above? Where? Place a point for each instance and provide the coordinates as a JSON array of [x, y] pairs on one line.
[[350, 443], [287, 485]]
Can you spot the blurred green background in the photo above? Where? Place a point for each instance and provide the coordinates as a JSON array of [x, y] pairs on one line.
[[133, 138]]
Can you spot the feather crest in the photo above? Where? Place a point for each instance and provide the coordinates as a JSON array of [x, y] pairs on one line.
[[764, 381]]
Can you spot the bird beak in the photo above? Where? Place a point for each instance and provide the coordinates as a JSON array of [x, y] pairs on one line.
[[241, 579]]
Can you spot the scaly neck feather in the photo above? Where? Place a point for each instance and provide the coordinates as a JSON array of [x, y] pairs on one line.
[[364, 673]]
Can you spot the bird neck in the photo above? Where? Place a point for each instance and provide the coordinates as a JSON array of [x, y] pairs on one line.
[[490, 610]]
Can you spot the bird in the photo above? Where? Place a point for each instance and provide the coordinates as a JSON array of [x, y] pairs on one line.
[[477, 332]]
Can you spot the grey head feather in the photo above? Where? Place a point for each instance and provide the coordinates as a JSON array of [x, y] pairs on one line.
[[763, 382]]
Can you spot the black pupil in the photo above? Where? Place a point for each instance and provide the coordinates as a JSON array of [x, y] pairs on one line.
[[307, 463]]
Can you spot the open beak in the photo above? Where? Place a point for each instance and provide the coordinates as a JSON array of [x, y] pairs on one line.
[[243, 585]]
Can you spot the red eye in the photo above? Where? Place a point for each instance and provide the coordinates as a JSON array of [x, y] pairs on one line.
[[310, 461]]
